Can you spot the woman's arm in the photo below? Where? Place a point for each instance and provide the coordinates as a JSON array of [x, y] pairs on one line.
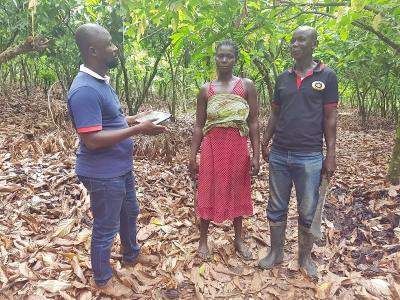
[[201, 115], [252, 120]]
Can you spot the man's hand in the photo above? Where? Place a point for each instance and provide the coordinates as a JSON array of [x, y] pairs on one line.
[[329, 166], [149, 128], [131, 120], [265, 151], [193, 168], [255, 166]]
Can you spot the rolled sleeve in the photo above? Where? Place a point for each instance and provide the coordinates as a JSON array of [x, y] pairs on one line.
[[331, 91]]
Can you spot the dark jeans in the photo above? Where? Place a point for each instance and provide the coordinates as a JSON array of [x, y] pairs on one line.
[[115, 209], [304, 171]]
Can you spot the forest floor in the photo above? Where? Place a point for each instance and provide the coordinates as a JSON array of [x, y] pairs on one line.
[[45, 220]]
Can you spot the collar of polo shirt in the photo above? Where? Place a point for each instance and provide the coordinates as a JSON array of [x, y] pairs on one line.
[[92, 73], [318, 68]]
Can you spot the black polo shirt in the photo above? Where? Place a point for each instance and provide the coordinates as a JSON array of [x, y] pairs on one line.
[[301, 102]]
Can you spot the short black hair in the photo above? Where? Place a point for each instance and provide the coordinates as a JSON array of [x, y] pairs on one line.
[[229, 43], [311, 30], [86, 34]]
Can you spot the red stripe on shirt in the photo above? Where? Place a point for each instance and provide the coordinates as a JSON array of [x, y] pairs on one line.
[[89, 129], [333, 105]]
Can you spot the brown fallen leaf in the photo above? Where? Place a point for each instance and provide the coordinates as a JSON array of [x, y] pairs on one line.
[[220, 277], [9, 188], [78, 270], [377, 287], [3, 276], [53, 286], [83, 236], [49, 259], [361, 293], [361, 226], [64, 227], [26, 271], [78, 285], [394, 288], [35, 297], [145, 232], [256, 283], [84, 295], [32, 222], [66, 296], [393, 190], [323, 290], [220, 268]]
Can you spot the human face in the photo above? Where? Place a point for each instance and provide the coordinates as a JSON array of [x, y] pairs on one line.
[[106, 51], [302, 44], [225, 57]]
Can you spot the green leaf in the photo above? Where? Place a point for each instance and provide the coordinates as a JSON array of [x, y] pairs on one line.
[[376, 21], [246, 56], [254, 4], [344, 33], [358, 5], [202, 269]]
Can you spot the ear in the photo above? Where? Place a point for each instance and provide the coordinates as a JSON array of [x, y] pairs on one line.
[[315, 44], [92, 51]]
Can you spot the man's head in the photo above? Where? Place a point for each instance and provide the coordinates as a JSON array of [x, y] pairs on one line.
[[303, 43], [96, 46]]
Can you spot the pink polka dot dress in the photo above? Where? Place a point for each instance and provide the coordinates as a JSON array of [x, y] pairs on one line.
[[224, 183]]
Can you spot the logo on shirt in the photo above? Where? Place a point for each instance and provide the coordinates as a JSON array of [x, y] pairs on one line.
[[318, 85]]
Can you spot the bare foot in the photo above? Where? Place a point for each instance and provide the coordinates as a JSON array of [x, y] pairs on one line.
[[242, 250], [203, 252]]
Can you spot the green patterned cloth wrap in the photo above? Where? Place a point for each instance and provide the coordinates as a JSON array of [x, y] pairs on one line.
[[227, 110]]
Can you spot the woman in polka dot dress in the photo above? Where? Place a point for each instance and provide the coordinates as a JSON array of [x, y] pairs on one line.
[[226, 117]]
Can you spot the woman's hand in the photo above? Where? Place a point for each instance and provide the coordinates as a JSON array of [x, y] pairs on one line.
[[193, 168], [255, 166]]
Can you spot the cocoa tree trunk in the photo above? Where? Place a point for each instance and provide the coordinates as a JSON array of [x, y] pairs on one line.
[[394, 165], [266, 77], [173, 82], [148, 80]]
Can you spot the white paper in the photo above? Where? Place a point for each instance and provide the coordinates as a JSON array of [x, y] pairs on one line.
[[156, 117]]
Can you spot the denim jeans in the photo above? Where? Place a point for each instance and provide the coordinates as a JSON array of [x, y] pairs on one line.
[[115, 209], [304, 171]]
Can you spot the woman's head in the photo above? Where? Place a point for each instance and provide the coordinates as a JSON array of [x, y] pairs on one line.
[[226, 54]]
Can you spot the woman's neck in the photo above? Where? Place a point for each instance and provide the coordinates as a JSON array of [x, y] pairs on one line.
[[225, 76]]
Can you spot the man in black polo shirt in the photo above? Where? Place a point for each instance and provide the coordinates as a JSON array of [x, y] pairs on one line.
[[304, 110]]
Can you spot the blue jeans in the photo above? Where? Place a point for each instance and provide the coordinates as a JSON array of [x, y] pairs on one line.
[[115, 209], [304, 170]]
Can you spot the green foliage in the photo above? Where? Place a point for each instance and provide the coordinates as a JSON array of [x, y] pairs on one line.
[[167, 47]]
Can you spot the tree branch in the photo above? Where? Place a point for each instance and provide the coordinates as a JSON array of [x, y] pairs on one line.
[[381, 36], [319, 4], [30, 45], [361, 25]]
